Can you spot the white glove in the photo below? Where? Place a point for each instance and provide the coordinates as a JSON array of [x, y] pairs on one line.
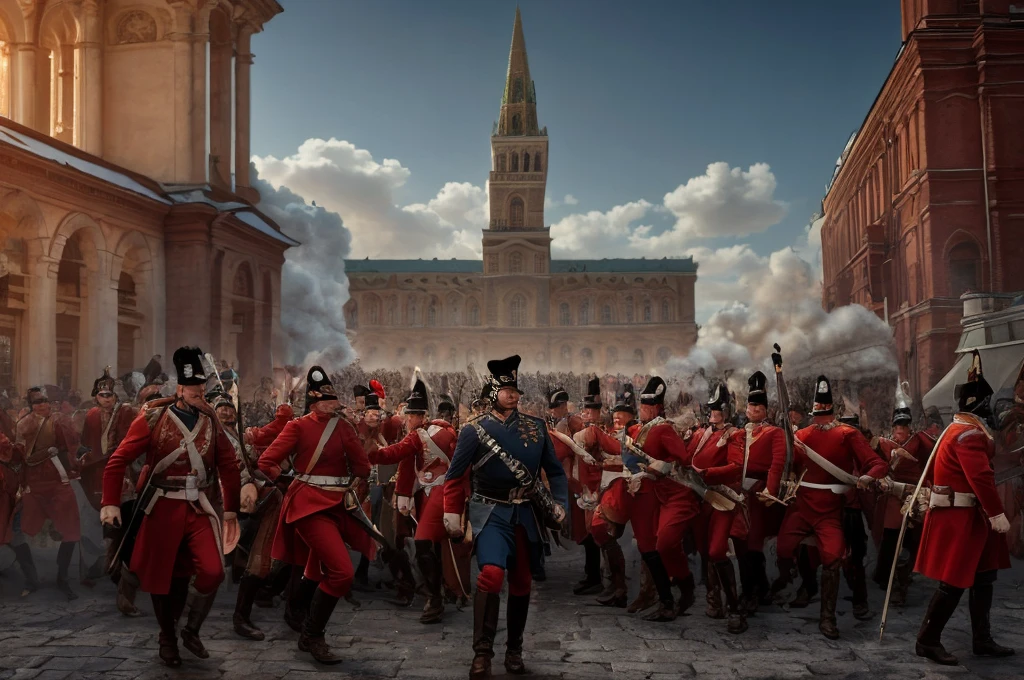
[[1000, 524], [52, 451], [588, 459], [247, 498], [884, 484], [662, 467], [404, 504], [865, 482], [633, 484], [110, 515], [453, 524]]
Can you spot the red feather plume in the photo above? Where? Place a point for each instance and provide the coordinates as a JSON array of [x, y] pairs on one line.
[[377, 388]]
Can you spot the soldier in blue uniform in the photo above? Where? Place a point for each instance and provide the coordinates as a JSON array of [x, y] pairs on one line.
[[496, 466]]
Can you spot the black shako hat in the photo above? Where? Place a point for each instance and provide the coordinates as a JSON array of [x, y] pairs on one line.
[[901, 415], [850, 419], [592, 399], [188, 362], [504, 374], [653, 393], [360, 391], [372, 403], [557, 397], [104, 383], [417, 403], [719, 399], [757, 389], [625, 401], [319, 387], [822, 397], [446, 404], [973, 395]]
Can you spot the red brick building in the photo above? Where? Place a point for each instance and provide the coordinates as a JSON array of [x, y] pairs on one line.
[[927, 201]]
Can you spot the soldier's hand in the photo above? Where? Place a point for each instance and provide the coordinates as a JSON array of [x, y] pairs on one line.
[[559, 513], [404, 505], [231, 531], [453, 524], [249, 436], [52, 451], [111, 516], [904, 454], [247, 498], [866, 482], [999, 523], [884, 484], [634, 483]]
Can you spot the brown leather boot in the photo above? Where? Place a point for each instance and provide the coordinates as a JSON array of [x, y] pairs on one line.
[[648, 595], [666, 609], [616, 561], [829, 595], [929, 638], [714, 595], [199, 607], [312, 638], [242, 621], [726, 575], [485, 625], [127, 587], [980, 603], [431, 568], [163, 608]]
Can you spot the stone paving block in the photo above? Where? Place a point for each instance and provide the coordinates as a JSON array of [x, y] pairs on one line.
[[16, 662]]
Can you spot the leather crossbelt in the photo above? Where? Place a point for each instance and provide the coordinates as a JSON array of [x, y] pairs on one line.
[[324, 480], [944, 497]]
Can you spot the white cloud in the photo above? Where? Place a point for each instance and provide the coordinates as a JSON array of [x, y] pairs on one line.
[[726, 201], [568, 199], [597, 234], [348, 181]]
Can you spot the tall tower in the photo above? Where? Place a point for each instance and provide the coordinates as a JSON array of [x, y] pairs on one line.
[[519, 171]]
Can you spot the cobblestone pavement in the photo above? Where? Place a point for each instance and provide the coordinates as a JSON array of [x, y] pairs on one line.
[[44, 636]]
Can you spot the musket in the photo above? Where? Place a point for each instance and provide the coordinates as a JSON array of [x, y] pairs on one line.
[[780, 382], [907, 508]]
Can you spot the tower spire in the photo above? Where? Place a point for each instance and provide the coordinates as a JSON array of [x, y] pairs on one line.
[[519, 100]]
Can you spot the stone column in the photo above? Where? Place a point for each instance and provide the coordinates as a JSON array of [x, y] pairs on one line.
[[89, 86], [243, 67], [197, 107], [40, 344], [65, 131], [220, 111], [30, 100], [181, 49], [97, 330]]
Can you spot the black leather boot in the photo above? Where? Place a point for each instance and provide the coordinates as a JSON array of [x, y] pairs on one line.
[[980, 603], [759, 581], [616, 561], [648, 595], [430, 567], [714, 595], [401, 571], [485, 625], [591, 583], [361, 581], [64, 555], [242, 618], [726, 575], [199, 607], [515, 619], [929, 638], [808, 580], [666, 610], [686, 594], [297, 607], [856, 578], [163, 608], [829, 595], [312, 638], [127, 587], [781, 582], [23, 554]]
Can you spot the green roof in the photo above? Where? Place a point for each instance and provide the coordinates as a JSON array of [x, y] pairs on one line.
[[684, 265]]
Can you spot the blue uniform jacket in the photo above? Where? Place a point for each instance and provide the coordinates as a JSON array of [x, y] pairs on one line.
[[525, 438]]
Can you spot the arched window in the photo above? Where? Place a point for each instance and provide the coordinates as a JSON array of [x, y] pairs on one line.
[[392, 310], [564, 315], [474, 313], [352, 316], [663, 355], [629, 309], [453, 310], [612, 356], [647, 311], [964, 267], [432, 313], [666, 311], [126, 290], [585, 313], [515, 162], [471, 357], [606, 313], [517, 311], [501, 163], [517, 90], [538, 264], [515, 212], [587, 356], [566, 353], [517, 127], [526, 162], [372, 310], [413, 317], [638, 356], [536, 162], [515, 263]]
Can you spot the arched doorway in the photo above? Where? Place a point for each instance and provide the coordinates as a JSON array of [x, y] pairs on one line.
[[76, 323], [135, 335]]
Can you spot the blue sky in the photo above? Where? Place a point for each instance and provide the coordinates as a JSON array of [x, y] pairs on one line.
[[638, 97]]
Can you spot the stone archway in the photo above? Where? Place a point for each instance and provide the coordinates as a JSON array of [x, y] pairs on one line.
[[26, 295], [132, 274]]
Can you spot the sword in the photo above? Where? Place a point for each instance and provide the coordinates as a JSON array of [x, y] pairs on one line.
[[829, 467], [689, 479], [576, 448], [355, 509]]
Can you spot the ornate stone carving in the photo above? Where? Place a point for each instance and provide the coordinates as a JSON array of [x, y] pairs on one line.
[[135, 26]]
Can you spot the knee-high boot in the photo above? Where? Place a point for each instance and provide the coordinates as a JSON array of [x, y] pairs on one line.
[[127, 587], [485, 625], [163, 608], [829, 595], [64, 555], [856, 578], [430, 566], [199, 607], [591, 583], [980, 603], [726, 575], [808, 580], [401, 570], [242, 618], [23, 554], [301, 595], [714, 594], [940, 609], [312, 639], [662, 583], [648, 595], [515, 619], [616, 561]]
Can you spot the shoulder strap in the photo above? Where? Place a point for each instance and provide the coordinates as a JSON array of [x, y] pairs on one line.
[[328, 431], [518, 470]]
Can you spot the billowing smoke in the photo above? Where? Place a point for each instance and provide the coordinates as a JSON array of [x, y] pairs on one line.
[[313, 283], [784, 307]]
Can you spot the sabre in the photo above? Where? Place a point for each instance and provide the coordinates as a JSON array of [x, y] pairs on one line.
[[903, 530]]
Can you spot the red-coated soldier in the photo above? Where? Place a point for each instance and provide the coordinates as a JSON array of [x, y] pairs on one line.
[[659, 509], [582, 477], [106, 425], [963, 542], [423, 457], [316, 524], [46, 440], [720, 464], [180, 536], [817, 509], [759, 445]]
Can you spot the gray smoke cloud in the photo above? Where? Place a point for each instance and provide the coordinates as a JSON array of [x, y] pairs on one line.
[[314, 287], [784, 307]]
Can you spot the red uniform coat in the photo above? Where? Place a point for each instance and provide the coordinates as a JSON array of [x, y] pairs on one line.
[[767, 446], [342, 456], [11, 473], [957, 543], [718, 463], [580, 475], [887, 507], [158, 554], [45, 493], [102, 436], [262, 437]]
